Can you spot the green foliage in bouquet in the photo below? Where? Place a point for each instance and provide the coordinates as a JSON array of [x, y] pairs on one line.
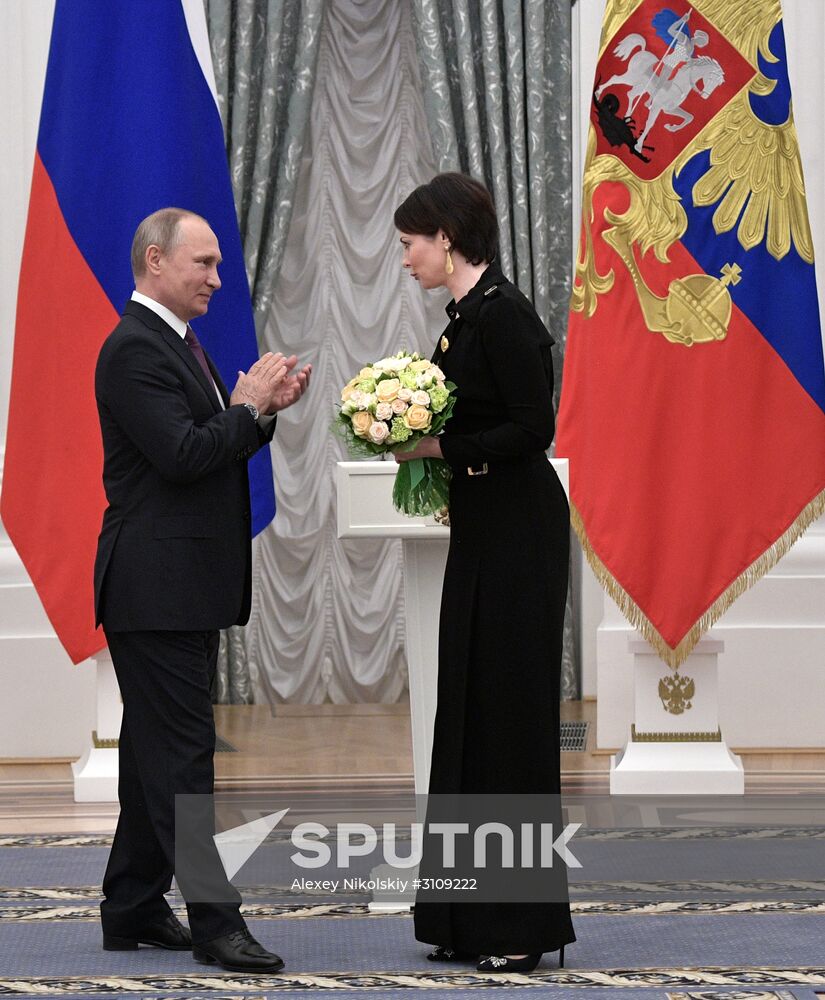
[[390, 406]]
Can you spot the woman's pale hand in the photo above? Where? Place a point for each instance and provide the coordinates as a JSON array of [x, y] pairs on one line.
[[427, 447]]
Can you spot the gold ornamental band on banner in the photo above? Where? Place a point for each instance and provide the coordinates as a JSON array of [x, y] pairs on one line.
[[675, 657]]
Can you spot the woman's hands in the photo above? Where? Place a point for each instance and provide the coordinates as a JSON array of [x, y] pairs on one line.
[[427, 447]]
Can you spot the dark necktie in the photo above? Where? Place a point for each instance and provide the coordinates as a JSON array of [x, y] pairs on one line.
[[197, 350]]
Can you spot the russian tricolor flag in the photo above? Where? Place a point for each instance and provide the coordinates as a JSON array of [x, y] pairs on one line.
[[129, 124]]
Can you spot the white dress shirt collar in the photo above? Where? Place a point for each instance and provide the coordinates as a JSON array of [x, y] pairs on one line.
[[174, 321], [165, 314]]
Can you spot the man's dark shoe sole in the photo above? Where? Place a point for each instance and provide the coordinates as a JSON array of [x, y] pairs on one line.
[[206, 959]]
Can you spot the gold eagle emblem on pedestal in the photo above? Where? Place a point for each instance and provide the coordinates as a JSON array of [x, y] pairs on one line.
[[677, 693]]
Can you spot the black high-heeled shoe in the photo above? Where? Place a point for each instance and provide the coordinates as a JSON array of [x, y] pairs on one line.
[[442, 954], [497, 963]]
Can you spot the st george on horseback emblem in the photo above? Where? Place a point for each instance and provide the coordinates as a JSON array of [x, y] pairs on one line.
[[675, 82], [661, 79]]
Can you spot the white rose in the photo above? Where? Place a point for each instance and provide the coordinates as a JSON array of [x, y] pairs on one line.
[[393, 365], [356, 398], [386, 365], [423, 381], [421, 398], [378, 432], [405, 394], [348, 408], [367, 400], [383, 411], [436, 374], [398, 406]]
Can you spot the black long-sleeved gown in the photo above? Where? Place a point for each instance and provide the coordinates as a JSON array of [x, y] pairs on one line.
[[505, 586]]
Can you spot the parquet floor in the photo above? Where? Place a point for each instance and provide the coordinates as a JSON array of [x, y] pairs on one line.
[[360, 750]]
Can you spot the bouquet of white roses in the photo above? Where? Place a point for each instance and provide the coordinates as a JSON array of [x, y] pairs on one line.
[[389, 406]]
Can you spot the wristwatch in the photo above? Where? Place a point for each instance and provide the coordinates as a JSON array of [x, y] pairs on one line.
[[253, 409]]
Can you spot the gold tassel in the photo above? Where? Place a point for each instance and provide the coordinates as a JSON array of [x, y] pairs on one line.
[[757, 569]]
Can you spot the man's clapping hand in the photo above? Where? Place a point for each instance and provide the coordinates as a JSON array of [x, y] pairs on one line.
[[289, 389], [261, 381]]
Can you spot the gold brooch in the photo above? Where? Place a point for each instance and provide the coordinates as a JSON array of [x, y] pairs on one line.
[[445, 344]]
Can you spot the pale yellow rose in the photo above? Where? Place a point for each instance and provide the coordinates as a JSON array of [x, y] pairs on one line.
[[387, 390], [347, 391], [420, 366], [418, 418], [365, 373], [361, 422]]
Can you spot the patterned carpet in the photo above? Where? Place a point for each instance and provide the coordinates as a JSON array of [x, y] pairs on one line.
[[740, 938]]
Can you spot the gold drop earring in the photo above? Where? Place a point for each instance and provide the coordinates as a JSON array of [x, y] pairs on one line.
[[448, 267]]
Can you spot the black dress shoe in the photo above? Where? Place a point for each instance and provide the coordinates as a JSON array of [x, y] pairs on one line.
[[167, 933], [237, 952], [442, 954]]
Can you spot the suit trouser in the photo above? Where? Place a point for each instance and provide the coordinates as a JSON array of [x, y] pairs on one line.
[[166, 748]]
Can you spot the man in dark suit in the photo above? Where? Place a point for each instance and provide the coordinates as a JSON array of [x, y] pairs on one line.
[[172, 568]]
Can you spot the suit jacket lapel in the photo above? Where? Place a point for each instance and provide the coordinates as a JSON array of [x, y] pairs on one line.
[[177, 344]]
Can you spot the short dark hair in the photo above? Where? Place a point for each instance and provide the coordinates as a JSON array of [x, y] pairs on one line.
[[458, 204], [160, 229]]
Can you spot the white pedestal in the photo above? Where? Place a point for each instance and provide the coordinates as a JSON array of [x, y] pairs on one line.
[[424, 563], [365, 510], [47, 706], [675, 745], [96, 773], [771, 679]]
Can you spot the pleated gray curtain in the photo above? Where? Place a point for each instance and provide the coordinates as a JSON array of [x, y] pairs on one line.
[[498, 95], [264, 54]]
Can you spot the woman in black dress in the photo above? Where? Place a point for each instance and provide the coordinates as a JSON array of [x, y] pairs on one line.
[[505, 585]]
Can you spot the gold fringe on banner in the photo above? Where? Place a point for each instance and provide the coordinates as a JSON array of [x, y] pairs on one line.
[[675, 657]]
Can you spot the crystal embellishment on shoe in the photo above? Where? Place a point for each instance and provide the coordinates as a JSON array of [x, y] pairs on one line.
[[443, 954], [447, 954], [496, 963]]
